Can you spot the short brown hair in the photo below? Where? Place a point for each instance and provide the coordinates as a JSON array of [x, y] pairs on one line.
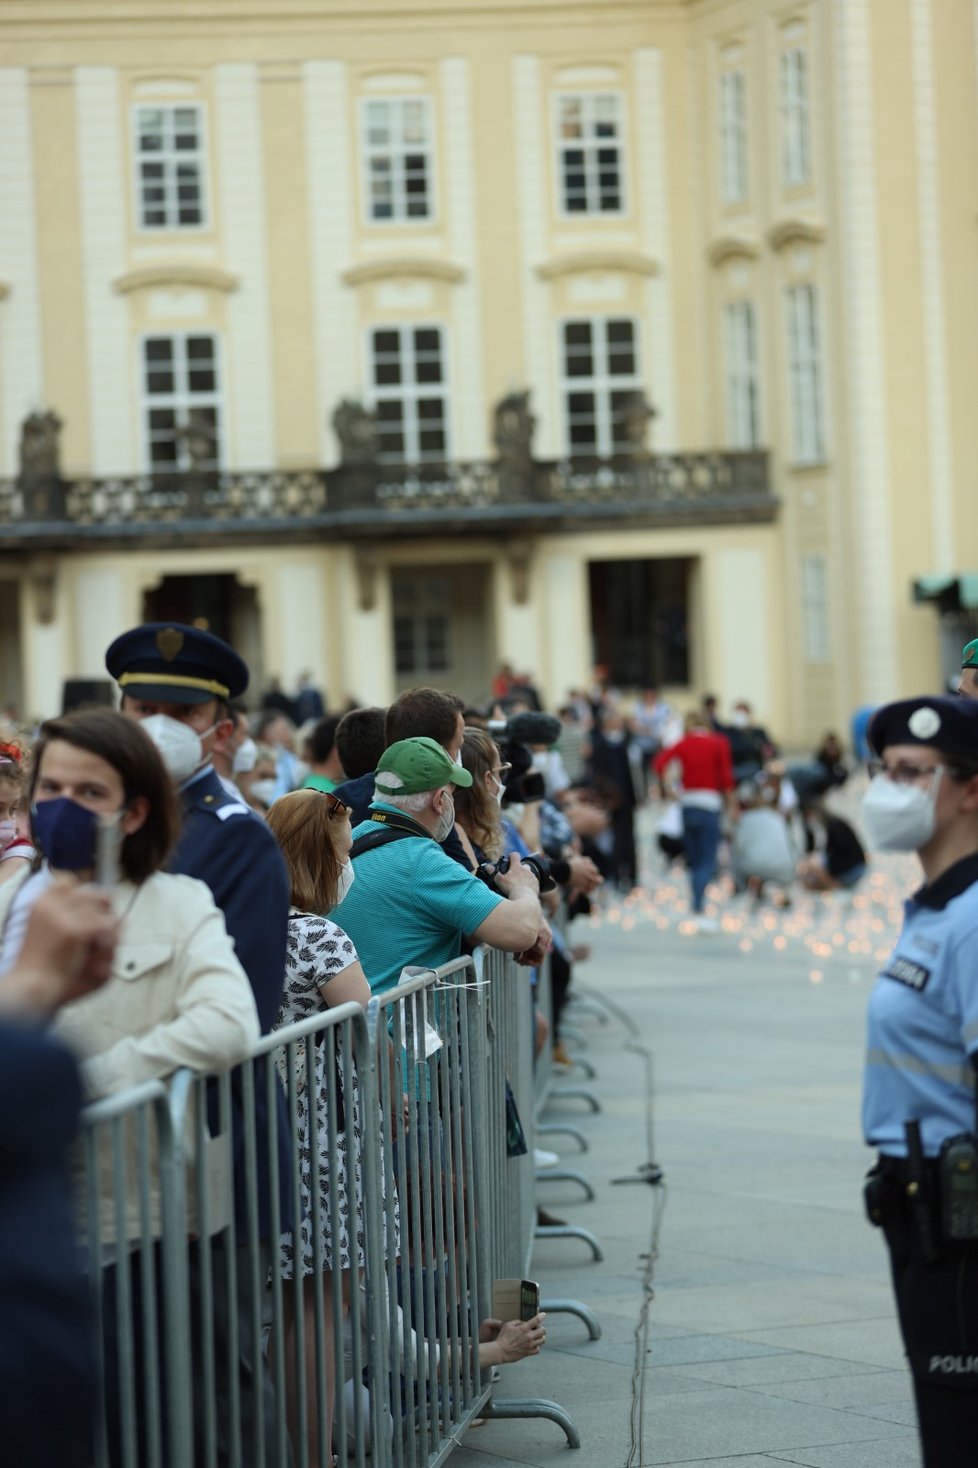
[[423, 713], [121, 742], [301, 825], [475, 809]]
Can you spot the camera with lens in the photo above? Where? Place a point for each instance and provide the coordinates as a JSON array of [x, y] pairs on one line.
[[539, 865], [515, 736]]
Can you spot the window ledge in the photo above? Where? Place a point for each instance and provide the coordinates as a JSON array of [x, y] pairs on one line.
[[795, 232], [584, 262], [402, 266], [182, 275], [732, 247]]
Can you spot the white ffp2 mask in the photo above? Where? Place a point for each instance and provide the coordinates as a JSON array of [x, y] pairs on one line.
[[900, 817]]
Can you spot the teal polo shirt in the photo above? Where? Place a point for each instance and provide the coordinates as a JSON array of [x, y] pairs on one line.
[[409, 904]]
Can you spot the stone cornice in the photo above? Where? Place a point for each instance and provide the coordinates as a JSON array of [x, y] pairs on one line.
[[404, 265], [732, 247], [598, 260], [183, 275], [795, 232]]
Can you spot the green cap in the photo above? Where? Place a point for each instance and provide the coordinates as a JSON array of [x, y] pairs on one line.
[[969, 654], [413, 765]]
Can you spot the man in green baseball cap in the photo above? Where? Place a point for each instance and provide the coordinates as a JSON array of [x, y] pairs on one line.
[[968, 682], [411, 903]]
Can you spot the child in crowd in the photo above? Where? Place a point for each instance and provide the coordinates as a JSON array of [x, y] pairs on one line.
[[16, 849]]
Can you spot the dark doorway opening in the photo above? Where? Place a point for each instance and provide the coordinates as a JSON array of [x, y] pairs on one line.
[[216, 603], [640, 620]]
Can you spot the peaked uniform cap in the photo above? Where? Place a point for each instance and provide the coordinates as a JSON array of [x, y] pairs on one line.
[[169, 662], [413, 765], [948, 724]]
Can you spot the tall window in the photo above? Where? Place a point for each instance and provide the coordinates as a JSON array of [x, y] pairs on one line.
[[170, 167], [397, 152], [815, 609], [805, 373], [409, 393], [181, 398], [601, 378], [422, 625], [590, 153], [795, 121], [743, 388], [733, 136]]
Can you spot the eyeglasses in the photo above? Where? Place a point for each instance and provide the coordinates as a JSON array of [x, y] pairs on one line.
[[904, 774], [335, 808]]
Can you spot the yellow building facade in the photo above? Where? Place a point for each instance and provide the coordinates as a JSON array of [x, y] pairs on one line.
[[229, 216]]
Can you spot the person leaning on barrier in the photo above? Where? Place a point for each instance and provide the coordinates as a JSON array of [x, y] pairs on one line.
[[323, 970], [922, 1051], [176, 996], [45, 1319], [179, 681], [411, 903]]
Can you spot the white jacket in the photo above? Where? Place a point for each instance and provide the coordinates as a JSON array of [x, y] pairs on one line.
[[177, 996]]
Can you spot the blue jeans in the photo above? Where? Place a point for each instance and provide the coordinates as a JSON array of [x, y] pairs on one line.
[[701, 838]]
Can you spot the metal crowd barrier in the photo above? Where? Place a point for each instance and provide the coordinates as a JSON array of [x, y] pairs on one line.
[[205, 1201]]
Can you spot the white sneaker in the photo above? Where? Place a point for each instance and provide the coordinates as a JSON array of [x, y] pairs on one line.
[[543, 1158]]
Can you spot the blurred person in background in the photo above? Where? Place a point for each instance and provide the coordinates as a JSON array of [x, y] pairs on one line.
[[834, 857], [702, 761], [325, 769], [259, 785], [612, 776], [16, 848], [277, 730], [825, 771], [761, 852], [308, 702]]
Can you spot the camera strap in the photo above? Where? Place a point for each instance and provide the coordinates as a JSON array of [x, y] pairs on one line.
[[390, 827]]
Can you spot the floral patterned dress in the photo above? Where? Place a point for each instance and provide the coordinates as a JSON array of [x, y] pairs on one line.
[[318, 950]]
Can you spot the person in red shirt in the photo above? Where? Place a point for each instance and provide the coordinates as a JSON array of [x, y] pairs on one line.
[[706, 773]]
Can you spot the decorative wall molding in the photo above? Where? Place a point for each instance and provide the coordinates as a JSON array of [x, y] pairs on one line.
[[732, 247], [182, 275], [586, 262], [401, 266], [795, 232]]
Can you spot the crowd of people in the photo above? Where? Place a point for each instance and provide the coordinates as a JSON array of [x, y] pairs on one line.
[[231, 871]]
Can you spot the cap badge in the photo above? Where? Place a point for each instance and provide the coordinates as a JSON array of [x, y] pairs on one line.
[[924, 723], [169, 642]]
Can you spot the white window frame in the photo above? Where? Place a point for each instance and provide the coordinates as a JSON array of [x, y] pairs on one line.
[[590, 145], [602, 383], [806, 372], [815, 608], [182, 400], [170, 158], [743, 384], [734, 135], [397, 152], [411, 392], [795, 111]]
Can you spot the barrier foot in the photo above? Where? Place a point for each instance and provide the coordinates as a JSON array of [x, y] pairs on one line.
[[534, 1407], [570, 1231], [578, 1063], [574, 1307], [574, 1035], [573, 1093], [565, 1175], [551, 1129]]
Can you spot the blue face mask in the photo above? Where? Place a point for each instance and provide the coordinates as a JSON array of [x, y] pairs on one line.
[[66, 832]]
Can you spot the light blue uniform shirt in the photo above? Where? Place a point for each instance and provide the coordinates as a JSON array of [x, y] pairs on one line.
[[923, 1020], [409, 904]]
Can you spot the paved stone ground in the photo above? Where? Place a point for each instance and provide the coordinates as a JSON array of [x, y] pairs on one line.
[[772, 1334]]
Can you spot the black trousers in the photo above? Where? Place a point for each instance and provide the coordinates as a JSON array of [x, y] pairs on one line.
[[938, 1308]]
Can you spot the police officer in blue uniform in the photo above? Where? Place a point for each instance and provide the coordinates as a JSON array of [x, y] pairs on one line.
[[179, 681], [919, 1097]]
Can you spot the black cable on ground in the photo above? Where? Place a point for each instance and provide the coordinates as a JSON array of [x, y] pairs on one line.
[[650, 1173]]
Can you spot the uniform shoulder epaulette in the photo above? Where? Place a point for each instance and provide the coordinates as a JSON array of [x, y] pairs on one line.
[[223, 809]]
